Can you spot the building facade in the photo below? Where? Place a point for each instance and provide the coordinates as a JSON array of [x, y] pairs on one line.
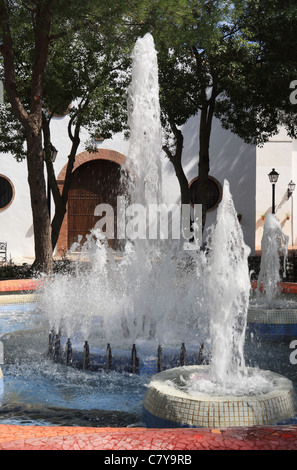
[[96, 176]]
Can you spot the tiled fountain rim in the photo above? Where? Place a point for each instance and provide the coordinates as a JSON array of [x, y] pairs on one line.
[[164, 404], [282, 385]]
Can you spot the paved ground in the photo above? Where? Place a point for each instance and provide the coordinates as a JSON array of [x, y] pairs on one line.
[[19, 285], [72, 438], [14, 437]]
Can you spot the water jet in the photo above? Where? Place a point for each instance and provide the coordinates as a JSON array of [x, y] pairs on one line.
[[226, 392], [271, 313]]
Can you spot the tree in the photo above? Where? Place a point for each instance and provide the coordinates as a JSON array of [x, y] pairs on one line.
[[89, 73], [224, 59], [30, 118], [29, 34], [196, 59], [263, 99]]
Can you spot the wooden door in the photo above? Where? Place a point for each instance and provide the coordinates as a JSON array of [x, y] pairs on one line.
[[93, 183]]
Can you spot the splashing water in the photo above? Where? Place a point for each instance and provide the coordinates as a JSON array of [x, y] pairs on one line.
[[229, 277], [152, 293], [158, 293], [228, 291], [274, 242], [145, 149]]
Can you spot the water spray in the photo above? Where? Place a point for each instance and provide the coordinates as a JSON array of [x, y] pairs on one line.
[[57, 348], [68, 352], [108, 357], [183, 355], [86, 358], [159, 359], [51, 339], [135, 360], [201, 355]]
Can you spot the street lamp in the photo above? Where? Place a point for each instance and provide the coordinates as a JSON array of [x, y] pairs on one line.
[[291, 187], [273, 177]]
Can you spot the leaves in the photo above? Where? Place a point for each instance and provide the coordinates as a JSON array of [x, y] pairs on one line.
[[88, 56]]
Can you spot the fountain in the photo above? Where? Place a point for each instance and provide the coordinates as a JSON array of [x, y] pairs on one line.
[[132, 301], [270, 312], [138, 311], [274, 243], [226, 392]]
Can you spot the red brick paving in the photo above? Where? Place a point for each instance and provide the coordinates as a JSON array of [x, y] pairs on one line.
[[14, 437], [17, 285]]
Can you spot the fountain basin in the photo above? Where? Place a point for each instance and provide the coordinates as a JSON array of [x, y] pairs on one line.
[[168, 406], [272, 321]]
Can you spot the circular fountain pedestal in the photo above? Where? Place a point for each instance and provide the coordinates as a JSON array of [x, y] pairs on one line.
[[274, 322], [169, 406]]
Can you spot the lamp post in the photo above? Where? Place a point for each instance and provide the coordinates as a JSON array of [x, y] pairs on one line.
[[273, 177], [291, 187], [53, 155]]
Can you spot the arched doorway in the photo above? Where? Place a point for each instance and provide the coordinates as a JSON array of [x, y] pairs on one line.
[[96, 179], [93, 183]]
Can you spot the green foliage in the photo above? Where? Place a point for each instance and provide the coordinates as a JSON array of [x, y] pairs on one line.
[[255, 105], [240, 54], [88, 55]]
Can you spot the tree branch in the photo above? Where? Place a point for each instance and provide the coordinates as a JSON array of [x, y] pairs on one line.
[[41, 33], [9, 67]]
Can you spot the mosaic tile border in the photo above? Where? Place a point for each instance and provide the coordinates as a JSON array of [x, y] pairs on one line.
[[17, 299], [175, 406], [272, 322], [272, 316]]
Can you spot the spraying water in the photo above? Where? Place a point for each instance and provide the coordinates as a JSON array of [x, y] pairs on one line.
[[152, 294], [145, 148], [229, 275], [274, 243], [228, 291], [159, 294]]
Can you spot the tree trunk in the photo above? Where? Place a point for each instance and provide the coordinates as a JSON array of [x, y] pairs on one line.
[[42, 230], [204, 142], [176, 160], [203, 165], [32, 122], [62, 199]]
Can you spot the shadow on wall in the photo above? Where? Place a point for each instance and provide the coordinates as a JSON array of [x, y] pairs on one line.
[[30, 232], [231, 159]]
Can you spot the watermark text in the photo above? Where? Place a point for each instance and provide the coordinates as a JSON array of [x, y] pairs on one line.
[[152, 222]]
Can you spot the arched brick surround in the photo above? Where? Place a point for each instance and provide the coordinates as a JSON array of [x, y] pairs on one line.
[[80, 159], [102, 154]]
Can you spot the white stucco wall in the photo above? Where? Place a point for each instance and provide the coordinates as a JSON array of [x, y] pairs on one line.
[[16, 225], [230, 158], [279, 153], [16, 221]]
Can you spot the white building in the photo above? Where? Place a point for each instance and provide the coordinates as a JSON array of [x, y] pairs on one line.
[[244, 166]]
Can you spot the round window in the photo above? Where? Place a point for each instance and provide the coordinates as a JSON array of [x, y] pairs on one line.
[[6, 192], [214, 192]]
